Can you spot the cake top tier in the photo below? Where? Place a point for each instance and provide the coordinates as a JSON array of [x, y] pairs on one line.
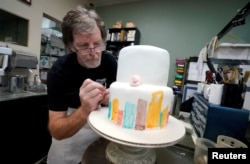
[[149, 63]]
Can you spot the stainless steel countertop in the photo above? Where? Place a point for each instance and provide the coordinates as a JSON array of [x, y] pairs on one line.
[[6, 95]]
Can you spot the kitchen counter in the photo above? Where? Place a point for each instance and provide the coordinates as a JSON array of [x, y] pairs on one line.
[[24, 127], [5, 95]]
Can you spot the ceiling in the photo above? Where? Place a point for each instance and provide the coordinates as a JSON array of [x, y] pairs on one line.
[[98, 3]]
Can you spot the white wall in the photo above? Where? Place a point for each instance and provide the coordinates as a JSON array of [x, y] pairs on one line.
[[34, 13], [182, 27]]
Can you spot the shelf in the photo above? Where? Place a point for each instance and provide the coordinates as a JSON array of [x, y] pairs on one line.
[[120, 42], [117, 38], [119, 29], [180, 73], [230, 62], [234, 47], [231, 54], [50, 55]]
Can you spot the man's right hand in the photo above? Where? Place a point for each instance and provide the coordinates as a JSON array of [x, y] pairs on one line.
[[91, 94]]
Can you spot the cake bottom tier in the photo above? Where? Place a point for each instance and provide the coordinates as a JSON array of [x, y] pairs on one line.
[[140, 107]]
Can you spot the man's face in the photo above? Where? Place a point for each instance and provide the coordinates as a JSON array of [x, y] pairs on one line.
[[89, 48]]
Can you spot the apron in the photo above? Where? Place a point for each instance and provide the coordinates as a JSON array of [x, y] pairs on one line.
[[71, 150]]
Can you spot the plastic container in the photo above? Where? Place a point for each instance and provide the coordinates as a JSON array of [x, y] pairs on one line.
[[229, 142], [201, 150]]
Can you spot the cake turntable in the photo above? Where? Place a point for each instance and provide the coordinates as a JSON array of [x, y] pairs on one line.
[[134, 146]]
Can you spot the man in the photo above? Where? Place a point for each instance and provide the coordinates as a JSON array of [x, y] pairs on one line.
[[77, 84]]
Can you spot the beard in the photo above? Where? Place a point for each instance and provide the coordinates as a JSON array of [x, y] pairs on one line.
[[91, 61]]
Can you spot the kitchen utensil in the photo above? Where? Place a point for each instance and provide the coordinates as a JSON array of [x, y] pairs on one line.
[[233, 95], [17, 83], [201, 150], [215, 93]]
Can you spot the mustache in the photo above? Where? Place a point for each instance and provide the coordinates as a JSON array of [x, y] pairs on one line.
[[91, 57], [92, 61]]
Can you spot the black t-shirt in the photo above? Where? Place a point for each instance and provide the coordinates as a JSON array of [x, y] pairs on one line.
[[67, 75]]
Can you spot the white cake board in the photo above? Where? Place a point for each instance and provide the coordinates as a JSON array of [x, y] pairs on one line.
[[173, 133]]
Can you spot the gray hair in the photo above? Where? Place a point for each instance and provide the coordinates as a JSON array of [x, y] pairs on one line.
[[81, 20]]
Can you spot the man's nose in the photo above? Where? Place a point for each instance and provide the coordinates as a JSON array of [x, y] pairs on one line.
[[92, 51]]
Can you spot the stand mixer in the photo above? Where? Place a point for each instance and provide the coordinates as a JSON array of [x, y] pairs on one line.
[[9, 60]]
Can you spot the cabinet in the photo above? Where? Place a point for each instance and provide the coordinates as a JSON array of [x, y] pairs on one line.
[[117, 38], [25, 137], [211, 120], [233, 50], [180, 69], [52, 47]]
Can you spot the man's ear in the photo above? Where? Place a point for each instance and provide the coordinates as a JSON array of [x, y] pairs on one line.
[[71, 47]]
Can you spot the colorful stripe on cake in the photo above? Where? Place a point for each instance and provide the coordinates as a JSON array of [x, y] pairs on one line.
[[120, 117], [129, 115], [153, 117], [114, 113], [115, 108], [109, 110], [164, 117], [142, 115]]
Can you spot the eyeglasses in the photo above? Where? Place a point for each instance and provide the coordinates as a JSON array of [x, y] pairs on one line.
[[88, 50]]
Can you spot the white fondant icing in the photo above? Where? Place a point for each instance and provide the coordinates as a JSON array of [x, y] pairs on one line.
[[140, 98], [127, 93], [150, 63]]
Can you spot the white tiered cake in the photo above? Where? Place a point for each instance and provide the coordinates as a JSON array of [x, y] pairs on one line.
[[140, 98]]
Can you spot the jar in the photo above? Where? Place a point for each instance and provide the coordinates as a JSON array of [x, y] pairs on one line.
[[17, 83]]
